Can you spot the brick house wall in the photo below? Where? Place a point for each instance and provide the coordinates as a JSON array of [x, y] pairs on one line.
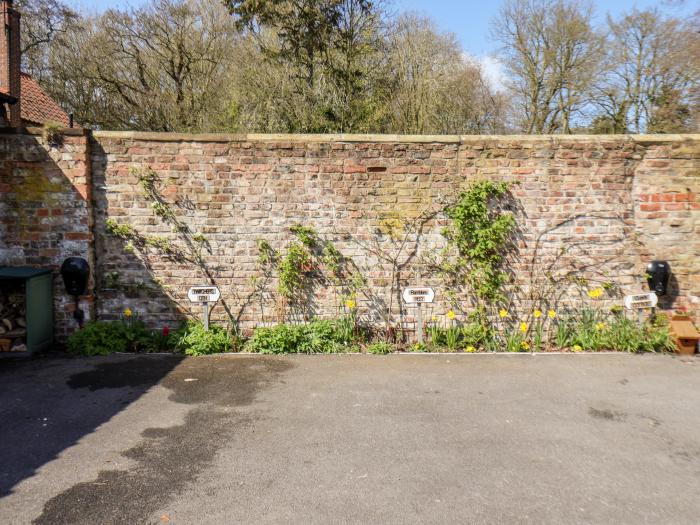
[[46, 210], [595, 207]]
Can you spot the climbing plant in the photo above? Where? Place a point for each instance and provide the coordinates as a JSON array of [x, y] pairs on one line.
[[187, 247], [308, 261], [479, 236]]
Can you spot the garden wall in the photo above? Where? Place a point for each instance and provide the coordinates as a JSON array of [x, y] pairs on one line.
[[590, 211], [46, 209]]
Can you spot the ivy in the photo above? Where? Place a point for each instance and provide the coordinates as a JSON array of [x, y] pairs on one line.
[[480, 233]]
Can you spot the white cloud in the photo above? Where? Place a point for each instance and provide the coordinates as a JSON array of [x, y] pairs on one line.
[[493, 71]]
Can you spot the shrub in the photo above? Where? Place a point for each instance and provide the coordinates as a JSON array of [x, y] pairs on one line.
[[595, 331], [97, 338], [108, 337], [192, 339], [380, 348], [316, 337]]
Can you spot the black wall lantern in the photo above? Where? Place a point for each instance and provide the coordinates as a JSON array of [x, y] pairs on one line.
[[658, 274], [76, 272]]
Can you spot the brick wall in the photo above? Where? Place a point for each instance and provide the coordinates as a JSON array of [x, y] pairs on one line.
[[10, 60], [589, 207], [46, 210], [595, 208]]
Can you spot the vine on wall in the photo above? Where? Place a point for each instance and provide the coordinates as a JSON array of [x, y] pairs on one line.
[[191, 249], [479, 238], [307, 262]]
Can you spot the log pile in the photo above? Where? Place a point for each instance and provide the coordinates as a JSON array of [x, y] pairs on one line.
[[13, 324]]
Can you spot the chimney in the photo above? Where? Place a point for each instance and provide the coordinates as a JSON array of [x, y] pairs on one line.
[[10, 60]]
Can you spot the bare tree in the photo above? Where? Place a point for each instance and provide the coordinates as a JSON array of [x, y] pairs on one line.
[[552, 55], [436, 88], [652, 69], [161, 67], [45, 23]]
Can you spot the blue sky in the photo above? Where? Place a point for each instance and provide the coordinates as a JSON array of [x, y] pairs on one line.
[[468, 20]]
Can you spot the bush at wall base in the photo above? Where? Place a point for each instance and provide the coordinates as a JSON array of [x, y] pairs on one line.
[[108, 337], [193, 339]]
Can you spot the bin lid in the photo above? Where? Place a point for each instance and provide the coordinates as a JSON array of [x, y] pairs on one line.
[[683, 328], [22, 272]]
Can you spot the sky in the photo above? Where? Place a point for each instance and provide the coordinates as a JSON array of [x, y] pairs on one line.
[[468, 20]]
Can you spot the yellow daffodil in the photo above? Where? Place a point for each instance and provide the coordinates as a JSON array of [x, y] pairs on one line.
[[595, 293], [451, 315], [350, 304], [537, 314], [470, 349], [523, 327], [525, 345], [576, 348], [434, 319], [128, 312], [503, 313], [600, 326], [551, 314]]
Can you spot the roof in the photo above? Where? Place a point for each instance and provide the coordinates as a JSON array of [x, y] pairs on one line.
[[37, 106]]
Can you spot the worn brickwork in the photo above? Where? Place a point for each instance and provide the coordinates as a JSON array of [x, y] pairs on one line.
[[46, 210], [593, 208], [590, 211]]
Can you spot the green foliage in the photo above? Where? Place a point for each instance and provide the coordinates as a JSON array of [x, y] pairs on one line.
[[332, 259], [123, 231], [476, 335], [451, 337], [148, 180], [192, 339], [480, 233], [52, 133], [380, 348], [323, 46], [159, 243], [316, 337], [108, 337], [472, 334], [266, 254], [292, 271], [595, 331], [306, 235], [98, 338]]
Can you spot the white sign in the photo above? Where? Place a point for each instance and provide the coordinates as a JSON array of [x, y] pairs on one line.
[[204, 294], [641, 301], [418, 295]]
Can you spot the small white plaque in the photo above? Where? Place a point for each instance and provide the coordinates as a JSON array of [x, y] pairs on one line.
[[418, 295], [641, 301], [204, 294]]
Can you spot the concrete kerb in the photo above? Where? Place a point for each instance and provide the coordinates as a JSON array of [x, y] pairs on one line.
[[443, 354]]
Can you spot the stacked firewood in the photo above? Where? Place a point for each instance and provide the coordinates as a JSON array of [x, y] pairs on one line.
[[13, 324]]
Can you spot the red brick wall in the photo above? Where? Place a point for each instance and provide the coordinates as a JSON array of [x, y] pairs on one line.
[[46, 210], [10, 60], [597, 208], [587, 207]]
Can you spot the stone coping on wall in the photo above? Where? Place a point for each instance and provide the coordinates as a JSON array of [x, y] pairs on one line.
[[350, 137], [418, 139]]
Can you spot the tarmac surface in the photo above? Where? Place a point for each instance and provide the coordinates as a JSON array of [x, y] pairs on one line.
[[610, 438]]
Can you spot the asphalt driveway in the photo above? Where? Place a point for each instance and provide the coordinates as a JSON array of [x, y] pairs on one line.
[[351, 439]]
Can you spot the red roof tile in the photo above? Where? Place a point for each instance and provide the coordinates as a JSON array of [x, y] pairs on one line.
[[37, 106]]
